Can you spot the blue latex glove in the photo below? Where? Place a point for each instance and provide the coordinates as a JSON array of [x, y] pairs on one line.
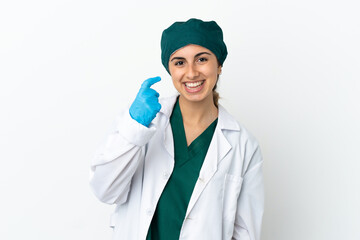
[[146, 104]]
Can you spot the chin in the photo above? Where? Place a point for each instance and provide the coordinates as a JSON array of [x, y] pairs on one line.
[[195, 97]]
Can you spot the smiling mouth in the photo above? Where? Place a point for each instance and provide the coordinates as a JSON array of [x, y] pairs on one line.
[[194, 84]]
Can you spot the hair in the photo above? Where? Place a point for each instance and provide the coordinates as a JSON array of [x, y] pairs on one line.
[[216, 97]]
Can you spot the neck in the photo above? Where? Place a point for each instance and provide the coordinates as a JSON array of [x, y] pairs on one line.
[[198, 113]]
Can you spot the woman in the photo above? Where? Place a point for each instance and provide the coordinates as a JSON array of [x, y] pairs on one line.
[[182, 167]]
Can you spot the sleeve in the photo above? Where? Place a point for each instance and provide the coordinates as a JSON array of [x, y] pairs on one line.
[[116, 161], [251, 200]]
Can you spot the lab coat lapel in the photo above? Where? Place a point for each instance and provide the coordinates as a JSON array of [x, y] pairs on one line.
[[168, 140], [167, 105], [218, 148]]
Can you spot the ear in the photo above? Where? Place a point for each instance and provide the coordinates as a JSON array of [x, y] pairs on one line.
[[219, 70]]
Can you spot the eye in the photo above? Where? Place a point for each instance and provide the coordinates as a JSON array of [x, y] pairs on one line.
[[179, 63], [202, 59]]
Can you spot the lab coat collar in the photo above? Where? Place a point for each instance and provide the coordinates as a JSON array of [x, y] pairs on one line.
[[167, 105]]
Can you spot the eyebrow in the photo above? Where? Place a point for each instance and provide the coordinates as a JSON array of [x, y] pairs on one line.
[[195, 56]]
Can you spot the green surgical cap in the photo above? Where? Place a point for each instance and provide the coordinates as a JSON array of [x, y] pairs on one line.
[[194, 31]]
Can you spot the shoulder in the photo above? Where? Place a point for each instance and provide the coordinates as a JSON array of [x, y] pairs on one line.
[[235, 132], [244, 146], [228, 122]]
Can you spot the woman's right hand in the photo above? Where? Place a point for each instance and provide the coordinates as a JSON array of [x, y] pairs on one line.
[[146, 104]]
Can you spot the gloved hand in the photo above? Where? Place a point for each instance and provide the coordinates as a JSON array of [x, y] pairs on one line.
[[146, 104]]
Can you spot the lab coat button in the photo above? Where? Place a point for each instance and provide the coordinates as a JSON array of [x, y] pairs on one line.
[[166, 175], [201, 179], [149, 212]]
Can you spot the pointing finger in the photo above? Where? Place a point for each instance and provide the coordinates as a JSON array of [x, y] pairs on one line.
[[150, 81]]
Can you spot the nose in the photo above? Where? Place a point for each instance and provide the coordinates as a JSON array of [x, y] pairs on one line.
[[192, 72]]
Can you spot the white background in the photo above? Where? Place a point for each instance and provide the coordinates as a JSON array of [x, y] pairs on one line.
[[291, 77]]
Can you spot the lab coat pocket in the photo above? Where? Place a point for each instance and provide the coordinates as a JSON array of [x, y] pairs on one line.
[[232, 187]]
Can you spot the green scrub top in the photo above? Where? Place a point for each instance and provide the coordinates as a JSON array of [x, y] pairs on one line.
[[171, 208]]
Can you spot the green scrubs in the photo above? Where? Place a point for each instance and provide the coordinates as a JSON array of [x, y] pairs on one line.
[[171, 208]]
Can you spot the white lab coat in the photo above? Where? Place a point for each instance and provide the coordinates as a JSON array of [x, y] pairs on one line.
[[132, 167]]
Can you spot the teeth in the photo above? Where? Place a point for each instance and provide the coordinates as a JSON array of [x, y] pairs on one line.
[[194, 84]]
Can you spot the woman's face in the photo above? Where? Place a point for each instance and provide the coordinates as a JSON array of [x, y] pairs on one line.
[[194, 71]]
